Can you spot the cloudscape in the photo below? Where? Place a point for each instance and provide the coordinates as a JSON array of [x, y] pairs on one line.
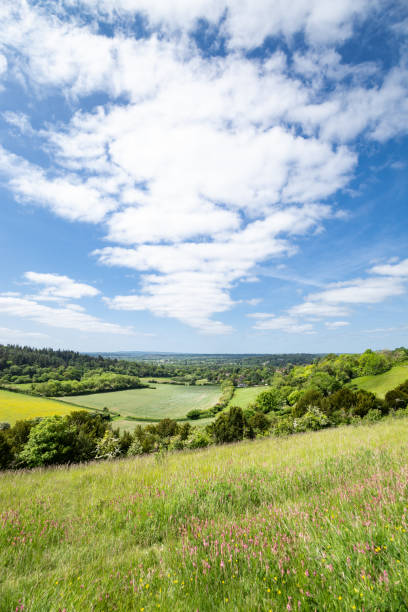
[[207, 176]]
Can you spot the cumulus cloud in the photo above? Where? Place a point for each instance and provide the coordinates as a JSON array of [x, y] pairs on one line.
[[58, 286], [247, 23], [199, 168], [68, 317]]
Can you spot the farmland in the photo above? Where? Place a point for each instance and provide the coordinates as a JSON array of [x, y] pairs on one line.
[[161, 401], [313, 521], [244, 396], [382, 383], [16, 406]]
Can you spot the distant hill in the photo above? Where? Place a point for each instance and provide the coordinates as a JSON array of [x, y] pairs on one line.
[[248, 359]]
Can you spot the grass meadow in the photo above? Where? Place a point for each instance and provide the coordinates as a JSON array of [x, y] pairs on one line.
[[381, 383], [162, 401], [315, 521], [246, 395], [16, 406]]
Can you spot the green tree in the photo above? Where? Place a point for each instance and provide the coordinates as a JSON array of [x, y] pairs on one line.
[[269, 401], [229, 426], [51, 441]]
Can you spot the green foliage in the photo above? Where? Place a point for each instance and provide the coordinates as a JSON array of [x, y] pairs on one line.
[[51, 441], [229, 426], [108, 447], [371, 363], [194, 414], [310, 399], [312, 420], [96, 383], [198, 439], [259, 422], [6, 454], [269, 401]]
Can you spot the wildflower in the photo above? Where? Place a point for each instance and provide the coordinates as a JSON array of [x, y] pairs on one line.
[[340, 597]]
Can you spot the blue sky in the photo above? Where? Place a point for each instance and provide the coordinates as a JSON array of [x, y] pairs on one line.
[[208, 176]]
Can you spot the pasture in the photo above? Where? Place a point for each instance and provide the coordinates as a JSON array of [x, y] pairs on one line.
[[244, 396], [16, 406], [315, 521], [382, 383], [162, 401]]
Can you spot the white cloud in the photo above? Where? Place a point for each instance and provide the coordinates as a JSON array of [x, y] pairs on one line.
[[198, 168], [336, 324], [58, 286], [67, 196], [195, 279], [318, 310], [399, 269], [247, 22], [19, 335], [68, 317], [360, 291], [18, 120], [287, 324]]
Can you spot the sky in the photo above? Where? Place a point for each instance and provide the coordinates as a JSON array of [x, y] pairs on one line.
[[212, 176]]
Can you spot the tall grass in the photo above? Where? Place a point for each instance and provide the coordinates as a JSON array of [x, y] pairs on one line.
[[312, 522]]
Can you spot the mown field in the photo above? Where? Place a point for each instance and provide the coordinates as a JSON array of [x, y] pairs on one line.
[[16, 406], [244, 396], [382, 383], [163, 401], [316, 521]]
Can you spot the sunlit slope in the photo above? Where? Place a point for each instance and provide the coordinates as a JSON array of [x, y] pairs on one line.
[[16, 406], [382, 383], [159, 402], [316, 518]]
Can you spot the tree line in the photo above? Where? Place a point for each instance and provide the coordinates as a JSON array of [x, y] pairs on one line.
[[85, 436]]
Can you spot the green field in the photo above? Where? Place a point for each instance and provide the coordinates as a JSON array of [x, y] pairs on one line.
[[316, 521], [382, 383], [16, 406], [244, 396], [162, 401]]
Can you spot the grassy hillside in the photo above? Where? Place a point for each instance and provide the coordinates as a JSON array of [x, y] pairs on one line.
[[16, 406], [314, 521], [382, 383], [163, 401], [244, 396]]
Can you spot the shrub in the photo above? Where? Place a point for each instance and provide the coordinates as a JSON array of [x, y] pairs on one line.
[[136, 448], [268, 401], [199, 439], [313, 420], [108, 447], [283, 427], [51, 441], [373, 415], [229, 426], [194, 414]]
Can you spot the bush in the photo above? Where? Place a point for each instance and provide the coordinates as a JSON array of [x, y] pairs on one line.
[[313, 420], [136, 448], [229, 426], [108, 447], [283, 427], [373, 415], [268, 401], [51, 441], [199, 439]]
